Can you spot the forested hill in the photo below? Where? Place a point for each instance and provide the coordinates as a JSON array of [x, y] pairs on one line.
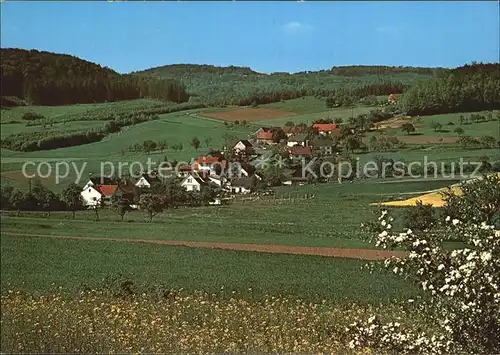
[[470, 88], [45, 78], [362, 70], [244, 86], [179, 70]]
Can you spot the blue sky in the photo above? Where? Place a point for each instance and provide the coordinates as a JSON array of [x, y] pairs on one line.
[[266, 36]]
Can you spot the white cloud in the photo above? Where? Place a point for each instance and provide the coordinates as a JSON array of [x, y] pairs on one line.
[[295, 28]]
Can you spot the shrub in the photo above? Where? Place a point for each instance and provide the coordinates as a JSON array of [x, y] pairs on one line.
[[462, 303], [30, 116]]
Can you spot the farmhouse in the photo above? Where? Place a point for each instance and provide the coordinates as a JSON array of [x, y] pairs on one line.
[[96, 180], [91, 196], [325, 128], [322, 145], [243, 185], [107, 192], [299, 151], [209, 165], [98, 194], [243, 147], [147, 180], [297, 139], [194, 182], [183, 170], [264, 135]]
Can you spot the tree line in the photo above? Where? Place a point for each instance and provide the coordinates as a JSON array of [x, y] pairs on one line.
[[152, 200], [45, 78]]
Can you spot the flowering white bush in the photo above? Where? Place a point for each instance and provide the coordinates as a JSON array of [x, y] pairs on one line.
[[463, 304]]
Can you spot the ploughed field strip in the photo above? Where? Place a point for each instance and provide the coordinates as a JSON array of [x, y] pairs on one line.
[[362, 254]]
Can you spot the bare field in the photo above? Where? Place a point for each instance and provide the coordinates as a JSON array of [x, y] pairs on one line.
[[248, 114], [416, 139]]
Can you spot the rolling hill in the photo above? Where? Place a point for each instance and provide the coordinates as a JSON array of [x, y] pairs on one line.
[[45, 78]]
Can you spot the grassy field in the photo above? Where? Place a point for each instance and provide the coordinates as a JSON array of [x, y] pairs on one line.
[[57, 113], [41, 265], [331, 219], [476, 129], [21, 127]]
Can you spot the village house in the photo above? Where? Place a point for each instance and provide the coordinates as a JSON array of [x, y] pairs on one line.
[[193, 182], [297, 139], [325, 128], [243, 146], [209, 165], [243, 185], [97, 195], [147, 180], [98, 180], [183, 170], [91, 196], [322, 145], [298, 151], [264, 135]]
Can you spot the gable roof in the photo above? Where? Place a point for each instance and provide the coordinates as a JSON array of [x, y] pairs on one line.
[[206, 160], [107, 190], [325, 127], [265, 135], [300, 150], [150, 178], [245, 142], [202, 180]]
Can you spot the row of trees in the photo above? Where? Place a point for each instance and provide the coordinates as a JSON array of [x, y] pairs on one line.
[[40, 198], [152, 201], [45, 78]]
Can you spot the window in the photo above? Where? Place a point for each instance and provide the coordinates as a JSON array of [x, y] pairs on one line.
[[190, 180]]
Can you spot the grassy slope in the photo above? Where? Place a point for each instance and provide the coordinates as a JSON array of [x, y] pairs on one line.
[[174, 128], [35, 264], [55, 112]]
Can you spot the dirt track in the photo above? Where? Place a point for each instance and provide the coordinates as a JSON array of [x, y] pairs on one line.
[[363, 254]]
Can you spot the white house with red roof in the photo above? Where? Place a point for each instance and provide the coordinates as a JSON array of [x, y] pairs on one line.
[[98, 194]]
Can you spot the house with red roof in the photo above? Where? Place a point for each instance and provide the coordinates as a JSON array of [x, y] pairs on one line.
[[325, 128], [98, 194], [264, 135], [208, 165]]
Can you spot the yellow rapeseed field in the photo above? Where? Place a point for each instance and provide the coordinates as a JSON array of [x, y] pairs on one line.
[[192, 323], [434, 198]]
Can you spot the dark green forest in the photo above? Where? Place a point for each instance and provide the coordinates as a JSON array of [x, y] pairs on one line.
[[468, 88], [44, 78]]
